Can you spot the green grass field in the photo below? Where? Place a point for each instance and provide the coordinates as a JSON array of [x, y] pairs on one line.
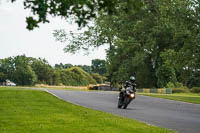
[[34, 111], [184, 97]]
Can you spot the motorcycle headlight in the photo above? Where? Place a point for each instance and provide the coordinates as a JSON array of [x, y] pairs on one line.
[[132, 95]]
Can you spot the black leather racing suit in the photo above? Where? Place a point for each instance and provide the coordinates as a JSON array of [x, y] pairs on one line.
[[127, 84]]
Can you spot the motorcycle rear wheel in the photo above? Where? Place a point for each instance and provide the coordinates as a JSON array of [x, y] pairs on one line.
[[119, 103]]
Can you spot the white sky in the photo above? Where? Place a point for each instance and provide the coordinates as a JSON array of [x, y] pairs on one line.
[[15, 39]]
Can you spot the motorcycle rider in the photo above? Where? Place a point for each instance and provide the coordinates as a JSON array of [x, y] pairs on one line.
[[129, 83]]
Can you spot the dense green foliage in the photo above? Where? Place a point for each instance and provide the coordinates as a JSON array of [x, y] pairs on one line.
[[63, 66], [44, 72], [86, 68], [75, 76], [180, 90], [30, 71], [31, 111], [18, 70], [99, 66], [157, 43], [99, 79], [195, 89], [80, 10]]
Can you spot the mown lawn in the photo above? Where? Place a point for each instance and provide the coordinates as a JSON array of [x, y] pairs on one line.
[[184, 97], [34, 111]]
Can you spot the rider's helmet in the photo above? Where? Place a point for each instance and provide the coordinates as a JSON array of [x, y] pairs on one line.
[[132, 79]]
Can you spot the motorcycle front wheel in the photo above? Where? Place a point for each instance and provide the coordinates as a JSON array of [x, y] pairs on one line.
[[120, 103], [127, 100]]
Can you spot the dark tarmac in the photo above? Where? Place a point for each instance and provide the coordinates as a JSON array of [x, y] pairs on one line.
[[179, 116]]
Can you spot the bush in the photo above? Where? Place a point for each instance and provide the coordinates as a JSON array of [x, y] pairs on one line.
[[98, 78], [170, 85], [75, 76], [195, 90], [177, 87], [179, 90]]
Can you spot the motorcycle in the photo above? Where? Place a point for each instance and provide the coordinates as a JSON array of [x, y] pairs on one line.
[[126, 96]]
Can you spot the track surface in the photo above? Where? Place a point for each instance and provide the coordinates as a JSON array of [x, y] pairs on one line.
[[179, 116]]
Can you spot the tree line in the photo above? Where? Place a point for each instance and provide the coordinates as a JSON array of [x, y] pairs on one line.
[[30, 71], [158, 42]]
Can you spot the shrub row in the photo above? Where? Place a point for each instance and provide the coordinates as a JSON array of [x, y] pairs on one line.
[[195, 90], [179, 90], [75, 76]]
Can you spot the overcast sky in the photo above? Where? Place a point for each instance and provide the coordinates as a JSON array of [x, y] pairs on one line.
[[15, 39]]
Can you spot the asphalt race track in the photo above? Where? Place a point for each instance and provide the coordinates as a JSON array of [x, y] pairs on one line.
[[179, 116]]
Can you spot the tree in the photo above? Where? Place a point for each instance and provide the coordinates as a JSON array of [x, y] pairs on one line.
[[24, 75], [56, 78], [99, 66], [63, 66], [18, 69], [2, 77], [75, 76], [158, 43], [7, 68], [81, 10], [97, 77], [59, 66], [86, 68], [44, 71]]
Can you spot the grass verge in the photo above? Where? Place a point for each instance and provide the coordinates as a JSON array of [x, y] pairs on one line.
[[82, 88], [32, 111], [184, 97], [46, 87]]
